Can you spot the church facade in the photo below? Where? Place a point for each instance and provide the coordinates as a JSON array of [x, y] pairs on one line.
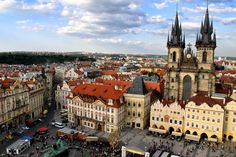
[[187, 73]]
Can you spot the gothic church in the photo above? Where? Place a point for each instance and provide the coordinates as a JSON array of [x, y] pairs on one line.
[[189, 73]]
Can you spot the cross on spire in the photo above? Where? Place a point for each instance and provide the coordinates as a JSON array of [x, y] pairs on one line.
[[189, 45]]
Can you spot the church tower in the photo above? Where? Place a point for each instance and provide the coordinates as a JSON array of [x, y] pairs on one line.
[[205, 45], [188, 73], [175, 44]]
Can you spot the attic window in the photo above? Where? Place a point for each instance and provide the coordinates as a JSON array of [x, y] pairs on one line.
[[105, 91]]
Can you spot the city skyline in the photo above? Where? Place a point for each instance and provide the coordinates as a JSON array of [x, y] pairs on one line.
[[120, 26]]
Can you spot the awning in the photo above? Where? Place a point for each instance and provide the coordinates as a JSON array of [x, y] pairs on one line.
[[158, 130], [43, 129], [176, 133], [192, 137], [135, 150], [91, 138], [213, 139]]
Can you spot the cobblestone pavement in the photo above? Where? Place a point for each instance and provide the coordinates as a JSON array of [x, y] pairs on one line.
[[140, 139]]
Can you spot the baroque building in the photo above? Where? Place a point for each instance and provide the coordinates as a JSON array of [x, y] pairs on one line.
[[187, 73]]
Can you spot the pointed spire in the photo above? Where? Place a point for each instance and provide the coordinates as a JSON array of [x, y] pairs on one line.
[[206, 21], [205, 37], [168, 39], [176, 38]]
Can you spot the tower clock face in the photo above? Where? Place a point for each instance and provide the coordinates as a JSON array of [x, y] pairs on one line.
[[189, 56]]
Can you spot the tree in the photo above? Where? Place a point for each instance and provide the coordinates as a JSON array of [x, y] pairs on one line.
[[113, 139]]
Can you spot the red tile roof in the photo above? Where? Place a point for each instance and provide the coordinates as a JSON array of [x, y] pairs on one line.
[[104, 92], [200, 99]]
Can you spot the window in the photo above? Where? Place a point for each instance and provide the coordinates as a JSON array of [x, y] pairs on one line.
[[213, 120], [204, 57], [134, 114], [203, 76], [192, 124], [162, 119], [226, 118], [139, 105], [171, 121], [133, 104], [128, 104], [234, 113], [193, 110], [180, 122], [175, 121], [153, 118], [188, 124], [138, 125], [188, 116], [203, 118], [157, 119], [174, 56], [202, 126], [217, 129], [196, 125], [192, 116], [234, 119], [138, 114], [128, 113], [218, 120], [172, 80], [208, 119]]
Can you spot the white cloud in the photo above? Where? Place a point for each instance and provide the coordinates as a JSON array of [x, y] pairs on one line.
[[92, 18], [161, 5], [29, 25], [212, 8], [156, 19], [6, 4], [41, 6], [190, 26], [229, 20]]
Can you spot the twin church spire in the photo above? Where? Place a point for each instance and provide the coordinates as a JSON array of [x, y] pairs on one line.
[[205, 38]]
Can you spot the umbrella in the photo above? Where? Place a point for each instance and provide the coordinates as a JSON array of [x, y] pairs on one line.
[[43, 129]]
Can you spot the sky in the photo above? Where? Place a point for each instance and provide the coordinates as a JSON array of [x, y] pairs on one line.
[[110, 26]]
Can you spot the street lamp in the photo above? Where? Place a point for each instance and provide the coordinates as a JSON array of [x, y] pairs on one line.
[[72, 133]]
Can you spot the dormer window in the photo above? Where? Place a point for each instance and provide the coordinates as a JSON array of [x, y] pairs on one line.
[[110, 102]]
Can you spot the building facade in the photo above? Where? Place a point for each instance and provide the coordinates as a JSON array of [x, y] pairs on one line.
[[167, 117], [205, 119], [99, 107], [15, 107], [187, 74]]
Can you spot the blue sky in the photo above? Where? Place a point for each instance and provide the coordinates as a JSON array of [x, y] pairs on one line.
[[111, 26]]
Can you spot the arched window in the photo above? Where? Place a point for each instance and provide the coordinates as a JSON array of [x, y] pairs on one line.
[[204, 57], [174, 56]]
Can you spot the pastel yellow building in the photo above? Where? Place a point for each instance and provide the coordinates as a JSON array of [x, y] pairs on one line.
[[167, 117], [204, 118], [230, 121]]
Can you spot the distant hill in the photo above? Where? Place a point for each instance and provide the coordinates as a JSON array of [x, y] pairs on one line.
[[40, 58]]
